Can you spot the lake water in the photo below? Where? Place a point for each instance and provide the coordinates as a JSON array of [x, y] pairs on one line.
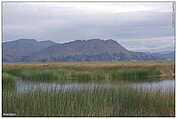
[[163, 85]]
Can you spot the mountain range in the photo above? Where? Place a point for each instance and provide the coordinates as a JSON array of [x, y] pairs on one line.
[[92, 50]]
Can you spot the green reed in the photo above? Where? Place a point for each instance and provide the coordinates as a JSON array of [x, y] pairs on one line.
[[85, 74], [9, 81], [96, 102]]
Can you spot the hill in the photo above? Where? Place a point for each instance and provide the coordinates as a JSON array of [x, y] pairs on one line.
[[92, 50]]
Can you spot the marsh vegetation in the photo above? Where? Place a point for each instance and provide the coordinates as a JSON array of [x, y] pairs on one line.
[[117, 99]]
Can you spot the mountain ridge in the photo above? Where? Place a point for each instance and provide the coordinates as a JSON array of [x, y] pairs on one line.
[[91, 50]]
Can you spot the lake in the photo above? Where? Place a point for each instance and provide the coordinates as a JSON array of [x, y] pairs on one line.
[[162, 86]]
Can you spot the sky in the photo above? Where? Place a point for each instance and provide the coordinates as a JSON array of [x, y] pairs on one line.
[[138, 26]]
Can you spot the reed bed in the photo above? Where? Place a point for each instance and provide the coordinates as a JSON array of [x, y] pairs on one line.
[[88, 64], [9, 81], [97, 102], [90, 71], [91, 102]]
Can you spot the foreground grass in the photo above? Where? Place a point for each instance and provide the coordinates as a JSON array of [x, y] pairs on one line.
[[97, 102], [9, 81]]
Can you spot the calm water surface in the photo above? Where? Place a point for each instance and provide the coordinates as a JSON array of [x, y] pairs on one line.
[[164, 85]]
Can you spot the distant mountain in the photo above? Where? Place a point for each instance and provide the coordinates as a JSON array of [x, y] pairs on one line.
[[165, 55], [14, 51], [30, 50]]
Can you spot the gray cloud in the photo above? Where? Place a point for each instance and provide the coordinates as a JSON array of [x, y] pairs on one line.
[[67, 23]]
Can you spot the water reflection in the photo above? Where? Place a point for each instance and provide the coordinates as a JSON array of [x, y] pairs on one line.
[[164, 85]]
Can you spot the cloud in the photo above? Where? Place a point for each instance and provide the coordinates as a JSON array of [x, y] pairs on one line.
[[63, 22], [156, 44]]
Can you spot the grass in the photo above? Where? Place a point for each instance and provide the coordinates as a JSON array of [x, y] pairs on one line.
[[97, 102], [85, 72], [9, 81]]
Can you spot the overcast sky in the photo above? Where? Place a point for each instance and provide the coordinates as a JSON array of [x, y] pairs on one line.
[[137, 25]]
